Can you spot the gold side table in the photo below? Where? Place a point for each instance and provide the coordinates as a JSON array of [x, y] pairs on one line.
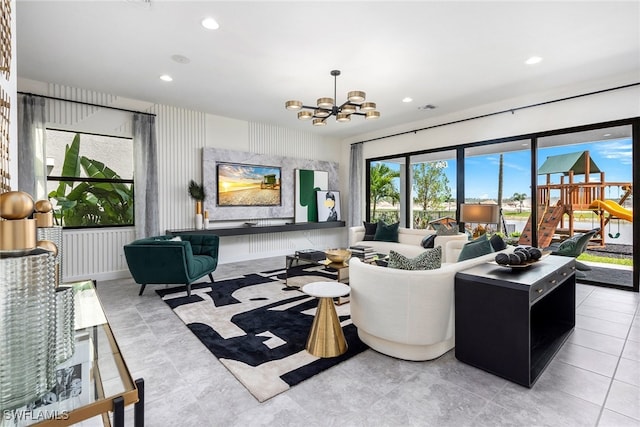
[[326, 338]]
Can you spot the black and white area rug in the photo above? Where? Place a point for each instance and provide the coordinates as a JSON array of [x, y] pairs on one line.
[[258, 328]]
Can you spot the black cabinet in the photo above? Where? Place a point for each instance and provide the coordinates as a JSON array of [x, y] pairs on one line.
[[511, 322]]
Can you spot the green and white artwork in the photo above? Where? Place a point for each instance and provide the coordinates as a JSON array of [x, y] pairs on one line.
[[307, 183]]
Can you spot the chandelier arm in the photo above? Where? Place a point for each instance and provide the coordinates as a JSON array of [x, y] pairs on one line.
[[358, 114]]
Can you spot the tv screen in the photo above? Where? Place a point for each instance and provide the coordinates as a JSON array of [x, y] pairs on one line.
[[248, 185]]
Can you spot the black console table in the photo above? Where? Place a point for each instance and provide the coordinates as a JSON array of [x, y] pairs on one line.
[[238, 231], [511, 322]]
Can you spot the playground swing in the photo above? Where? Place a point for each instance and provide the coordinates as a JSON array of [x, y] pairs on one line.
[[611, 235], [614, 236]]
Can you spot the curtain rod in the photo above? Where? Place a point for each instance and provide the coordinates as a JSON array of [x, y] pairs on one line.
[[510, 110], [86, 103]]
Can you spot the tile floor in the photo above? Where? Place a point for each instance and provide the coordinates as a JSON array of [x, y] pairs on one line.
[[593, 381]]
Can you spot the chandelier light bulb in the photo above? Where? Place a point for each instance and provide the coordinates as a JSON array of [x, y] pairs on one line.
[[343, 118], [368, 106], [321, 113], [348, 109], [356, 96], [325, 102], [319, 122], [293, 105], [304, 115], [372, 115]]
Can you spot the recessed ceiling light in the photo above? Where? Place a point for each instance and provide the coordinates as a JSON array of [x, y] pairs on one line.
[[210, 24], [166, 78], [607, 134], [533, 60], [180, 59], [407, 99]]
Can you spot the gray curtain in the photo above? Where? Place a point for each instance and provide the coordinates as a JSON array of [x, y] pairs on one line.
[[355, 185], [32, 173], [145, 164]]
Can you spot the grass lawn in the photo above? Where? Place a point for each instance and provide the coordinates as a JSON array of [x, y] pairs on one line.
[[606, 260]]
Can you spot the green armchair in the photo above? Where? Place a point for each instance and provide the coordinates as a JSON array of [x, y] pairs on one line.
[[167, 260]]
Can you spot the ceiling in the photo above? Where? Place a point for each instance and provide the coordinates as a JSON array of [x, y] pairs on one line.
[[452, 54]]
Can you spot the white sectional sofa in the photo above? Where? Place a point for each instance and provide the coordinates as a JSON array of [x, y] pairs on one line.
[[408, 314], [408, 244]]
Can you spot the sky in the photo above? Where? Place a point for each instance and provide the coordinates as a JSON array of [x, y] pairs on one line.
[[481, 172]]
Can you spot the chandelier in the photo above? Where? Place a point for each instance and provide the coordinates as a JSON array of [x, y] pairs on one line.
[[326, 107]]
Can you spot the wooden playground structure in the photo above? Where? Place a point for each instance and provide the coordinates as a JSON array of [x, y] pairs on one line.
[[573, 198]]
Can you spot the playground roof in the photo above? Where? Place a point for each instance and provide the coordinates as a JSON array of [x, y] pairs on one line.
[[564, 163]]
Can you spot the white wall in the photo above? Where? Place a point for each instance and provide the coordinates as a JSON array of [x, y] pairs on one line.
[[181, 136]]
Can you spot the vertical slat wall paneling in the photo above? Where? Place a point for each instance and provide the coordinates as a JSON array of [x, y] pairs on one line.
[[181, 136], [95, 254], [67, 113]]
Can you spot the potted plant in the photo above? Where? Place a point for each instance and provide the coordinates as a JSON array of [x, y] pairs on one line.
[[197, 193]]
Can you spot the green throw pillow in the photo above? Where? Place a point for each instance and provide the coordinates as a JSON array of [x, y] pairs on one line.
[[428, 260], [386, 232], [475, 248]]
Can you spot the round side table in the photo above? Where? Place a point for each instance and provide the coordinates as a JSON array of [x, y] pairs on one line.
[[326, 338]]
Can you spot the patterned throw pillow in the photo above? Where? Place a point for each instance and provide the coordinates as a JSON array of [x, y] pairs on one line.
[[428, 260]]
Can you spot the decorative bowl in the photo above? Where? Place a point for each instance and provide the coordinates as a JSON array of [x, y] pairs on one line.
[[338, 255]]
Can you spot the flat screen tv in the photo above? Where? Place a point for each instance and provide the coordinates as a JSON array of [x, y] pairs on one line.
[[248, 185]]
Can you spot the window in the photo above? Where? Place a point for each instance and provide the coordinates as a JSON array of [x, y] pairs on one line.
[[90, 179], [433, 181], [386, 190]]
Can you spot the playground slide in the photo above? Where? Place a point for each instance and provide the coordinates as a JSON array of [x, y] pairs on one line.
[[613, 208]]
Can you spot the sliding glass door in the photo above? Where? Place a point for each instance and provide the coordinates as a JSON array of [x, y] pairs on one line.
[[500, 174], [585, 182]]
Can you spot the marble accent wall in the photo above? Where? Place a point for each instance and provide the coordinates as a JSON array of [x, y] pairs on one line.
[[210, 156]]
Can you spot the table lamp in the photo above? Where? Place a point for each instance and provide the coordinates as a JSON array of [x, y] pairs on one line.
[[479, 214]]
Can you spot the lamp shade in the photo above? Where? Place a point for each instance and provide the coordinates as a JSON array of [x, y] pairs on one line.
[[343, 117], [348, 109], [356, 96], [368, 106], [325, 102], [293, 105], [304, 115], [319, 122], [478, 213]]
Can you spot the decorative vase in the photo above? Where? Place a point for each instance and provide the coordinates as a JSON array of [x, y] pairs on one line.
[[198, 218]]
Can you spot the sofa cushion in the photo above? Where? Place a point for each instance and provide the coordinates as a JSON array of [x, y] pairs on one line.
[[428, 241], [475, 248], [386, 232], [497, 243], [428, 260], [369, 230]]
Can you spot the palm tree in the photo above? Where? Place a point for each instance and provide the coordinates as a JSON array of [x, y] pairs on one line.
[[519, 197], [382, 186]]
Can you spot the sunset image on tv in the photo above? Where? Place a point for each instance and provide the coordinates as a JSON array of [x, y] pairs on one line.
[[248, 185]]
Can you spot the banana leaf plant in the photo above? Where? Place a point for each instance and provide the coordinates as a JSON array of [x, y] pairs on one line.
[[83, 203]]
